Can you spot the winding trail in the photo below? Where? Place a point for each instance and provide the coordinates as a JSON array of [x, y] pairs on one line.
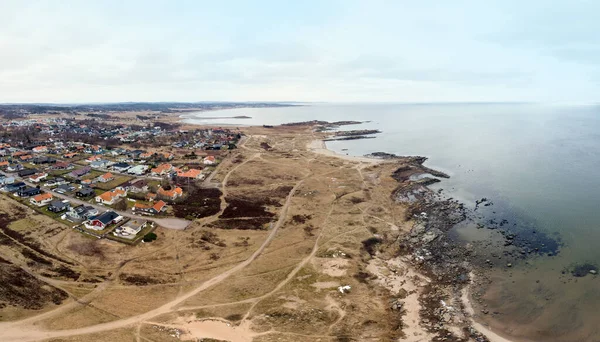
[[19, 331]]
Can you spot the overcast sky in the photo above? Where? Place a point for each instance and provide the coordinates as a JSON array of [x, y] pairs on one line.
[[338, 51]]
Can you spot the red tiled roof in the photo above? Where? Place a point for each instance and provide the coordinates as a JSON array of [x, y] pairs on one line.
[[107, 176], [43, 197], [191, 173], [171, 193], [159, 206]]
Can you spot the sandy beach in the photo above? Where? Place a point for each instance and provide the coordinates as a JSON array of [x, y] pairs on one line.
[[319, 147]]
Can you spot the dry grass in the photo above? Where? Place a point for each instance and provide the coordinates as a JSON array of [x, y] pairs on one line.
[[107, 336], [339, 206]]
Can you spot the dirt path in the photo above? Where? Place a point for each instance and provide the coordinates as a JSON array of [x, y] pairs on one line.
[[81, 301], [296, 269], [226, 179], [19, 331]]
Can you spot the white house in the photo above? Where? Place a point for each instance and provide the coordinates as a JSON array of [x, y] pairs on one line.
[[38, 177], [138, 170], [210, 160], [111, 197], [42, 199]]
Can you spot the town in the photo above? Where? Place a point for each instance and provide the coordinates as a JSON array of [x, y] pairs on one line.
[[109, 180]]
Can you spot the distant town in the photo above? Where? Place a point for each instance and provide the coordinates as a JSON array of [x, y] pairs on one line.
[[108, 178]]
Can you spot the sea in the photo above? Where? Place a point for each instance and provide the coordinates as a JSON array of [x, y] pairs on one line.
[[537, 166]]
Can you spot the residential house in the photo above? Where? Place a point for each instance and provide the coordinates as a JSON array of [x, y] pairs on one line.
[[26, 172], [81, 212], [40, 149], [161, 169], [61, 166], [138, 170], [28, 192], [14, 167], [191, 173], [42, 199], [19, 153], [55, 182], [153, 209], [140, 185], [145, 155], [209, 160], [93, 159], [58, 206], [64, 188], [151, 196], [120, 167], [14, 187], [107, 177], [25, 158], [136, 153], [100, 163], [81, 172], [85, 192], [4, 164], [70, 155], [111, 197], [38, 177], [43, 160], [172, 194], [95, 149], [130, 229], [117, 152], [87, 182], [6, 180], [102, 221], [166, 156]]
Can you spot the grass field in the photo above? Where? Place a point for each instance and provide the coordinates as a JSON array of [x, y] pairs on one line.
[[286, 229]]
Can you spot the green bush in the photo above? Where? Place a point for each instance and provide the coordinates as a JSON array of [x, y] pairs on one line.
[[149, 237]]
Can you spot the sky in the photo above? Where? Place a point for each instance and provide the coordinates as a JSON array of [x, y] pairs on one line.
[[309, 51]]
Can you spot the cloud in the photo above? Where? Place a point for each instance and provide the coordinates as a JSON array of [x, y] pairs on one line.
[[307, 51]]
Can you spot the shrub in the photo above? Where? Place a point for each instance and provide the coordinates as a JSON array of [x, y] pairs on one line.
[[149, 237]]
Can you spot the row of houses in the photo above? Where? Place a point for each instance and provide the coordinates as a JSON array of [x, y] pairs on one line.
[[170, 170]]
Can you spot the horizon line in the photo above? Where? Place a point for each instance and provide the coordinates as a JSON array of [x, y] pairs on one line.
[[289, 102]]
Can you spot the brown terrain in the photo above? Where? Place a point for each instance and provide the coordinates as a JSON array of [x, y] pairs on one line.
[[298, 245]]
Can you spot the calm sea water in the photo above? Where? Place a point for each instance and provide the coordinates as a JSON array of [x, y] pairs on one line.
[[540, 162]]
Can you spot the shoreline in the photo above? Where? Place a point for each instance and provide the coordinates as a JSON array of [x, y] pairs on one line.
[[469, 312], [320, 147]]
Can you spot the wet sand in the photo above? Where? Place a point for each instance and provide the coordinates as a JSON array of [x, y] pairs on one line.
[[469, 311]]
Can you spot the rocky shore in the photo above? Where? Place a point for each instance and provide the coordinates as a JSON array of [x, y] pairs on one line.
[[456, 268], [321, 126], [432, 249], [353, 135]]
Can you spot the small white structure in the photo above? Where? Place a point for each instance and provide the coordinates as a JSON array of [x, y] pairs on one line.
[[138, 170], [344, 289]]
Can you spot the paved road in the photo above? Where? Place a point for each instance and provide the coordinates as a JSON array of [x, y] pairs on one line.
[[169, 223]]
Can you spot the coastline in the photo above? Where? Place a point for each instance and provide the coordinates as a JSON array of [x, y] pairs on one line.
[[320, 147], [469, 311]]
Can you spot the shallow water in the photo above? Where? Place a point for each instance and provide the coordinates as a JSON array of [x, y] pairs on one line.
[[537, 164]]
